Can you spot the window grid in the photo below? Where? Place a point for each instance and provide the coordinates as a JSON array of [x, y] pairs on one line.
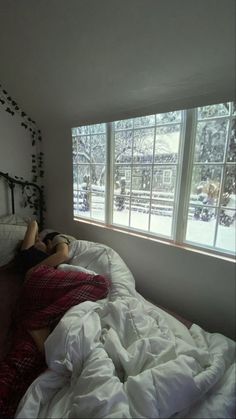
[[180, 202], [223, 165], [152, 166]]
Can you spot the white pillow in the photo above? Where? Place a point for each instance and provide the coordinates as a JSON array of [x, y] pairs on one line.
[[10, 237], [75, 268]]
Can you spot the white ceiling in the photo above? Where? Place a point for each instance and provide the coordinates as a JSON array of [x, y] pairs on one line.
[[77, 61]]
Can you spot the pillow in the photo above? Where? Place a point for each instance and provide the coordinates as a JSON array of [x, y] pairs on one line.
[[14, 219], [75, 268], [10, 237]]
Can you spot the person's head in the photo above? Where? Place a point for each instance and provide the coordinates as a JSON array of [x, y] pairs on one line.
[[50, 236], [47, 240]]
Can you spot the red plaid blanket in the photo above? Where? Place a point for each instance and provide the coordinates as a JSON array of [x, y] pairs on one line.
[[46, 295]]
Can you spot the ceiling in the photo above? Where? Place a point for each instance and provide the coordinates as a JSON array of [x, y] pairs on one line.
[[76, 61]]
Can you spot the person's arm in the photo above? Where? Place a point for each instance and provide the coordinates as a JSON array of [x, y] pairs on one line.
[[30, 235]]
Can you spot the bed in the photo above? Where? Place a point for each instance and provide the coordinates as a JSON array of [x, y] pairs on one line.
[[122, 356]]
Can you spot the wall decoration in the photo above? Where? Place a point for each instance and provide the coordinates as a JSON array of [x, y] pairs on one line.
[[10, 106], [37, 156], [31, 193]]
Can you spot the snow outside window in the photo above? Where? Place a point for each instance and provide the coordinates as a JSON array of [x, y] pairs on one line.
[[169, 175]]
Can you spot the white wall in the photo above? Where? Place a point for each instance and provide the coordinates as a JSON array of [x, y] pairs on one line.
[[15, 151], [15, 145], [197, 286]]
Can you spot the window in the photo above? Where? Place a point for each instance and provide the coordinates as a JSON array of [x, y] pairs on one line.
[[169, 175]]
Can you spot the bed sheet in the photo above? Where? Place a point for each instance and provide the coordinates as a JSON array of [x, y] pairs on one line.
[[124, 357]]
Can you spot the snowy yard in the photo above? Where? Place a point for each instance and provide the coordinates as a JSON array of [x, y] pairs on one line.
[[199, 232]]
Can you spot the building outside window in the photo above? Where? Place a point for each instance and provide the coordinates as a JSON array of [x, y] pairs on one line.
[[169, 175]]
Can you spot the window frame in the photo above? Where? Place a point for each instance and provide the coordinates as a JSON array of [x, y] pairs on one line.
[[193, 128], [185, 164]]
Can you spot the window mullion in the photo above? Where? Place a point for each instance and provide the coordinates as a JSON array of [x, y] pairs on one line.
[[131, 175], [109, 172], [185, 175], [152, 174], [224, 167]]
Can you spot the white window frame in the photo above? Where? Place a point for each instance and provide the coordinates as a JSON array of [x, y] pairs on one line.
[[223, 164], [188, 126]]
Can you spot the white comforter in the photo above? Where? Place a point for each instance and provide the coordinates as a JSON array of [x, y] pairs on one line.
[[122, 357]]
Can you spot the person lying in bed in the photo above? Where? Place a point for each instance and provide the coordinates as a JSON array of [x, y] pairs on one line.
[[47, 293], [34, 250], [52, 250]]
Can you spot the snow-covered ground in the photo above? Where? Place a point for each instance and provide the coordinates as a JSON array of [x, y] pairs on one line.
[[199, 232]]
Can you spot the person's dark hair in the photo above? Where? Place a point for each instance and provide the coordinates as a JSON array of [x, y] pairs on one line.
[[50, 236]]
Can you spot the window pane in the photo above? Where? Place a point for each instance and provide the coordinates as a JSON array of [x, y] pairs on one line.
[[98, 206], [97, 128], [98, 148], [210, 111], [140, 213], [143, 146], [229, 187], [164, 179], [74, 150], [211, 141], [75, 176], [121, 207], [141, 181], [161, 217], [82, 203], [144, 121], [206, 182], [124, 124], [231, 155], [83, 149], [81, 130], [201, 225], [163, 118], [98, 177], [167, 144], [76, 201], [123, 146], [234, 108], [122, 180], [226, 237], [82, 175]]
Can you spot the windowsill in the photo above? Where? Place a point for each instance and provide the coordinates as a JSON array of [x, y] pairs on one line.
[[187, 247]]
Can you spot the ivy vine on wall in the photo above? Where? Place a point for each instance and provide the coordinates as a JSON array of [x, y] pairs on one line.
[[37, 156], [29, 125]]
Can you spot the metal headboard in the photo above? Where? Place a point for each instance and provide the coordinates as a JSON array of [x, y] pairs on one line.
[[32, 192]]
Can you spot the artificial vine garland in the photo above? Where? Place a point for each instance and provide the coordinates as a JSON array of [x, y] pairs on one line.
[[29, 124], [37, 155]]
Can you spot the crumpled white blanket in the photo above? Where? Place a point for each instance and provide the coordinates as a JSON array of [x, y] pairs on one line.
[[122, 357]]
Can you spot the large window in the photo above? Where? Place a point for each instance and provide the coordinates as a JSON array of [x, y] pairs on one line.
[[169, 175]]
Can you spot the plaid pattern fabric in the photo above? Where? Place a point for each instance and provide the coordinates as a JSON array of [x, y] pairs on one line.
[[46, 295], [18, 370]]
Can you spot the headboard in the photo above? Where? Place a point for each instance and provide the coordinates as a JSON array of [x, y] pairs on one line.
[[31, 193]]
